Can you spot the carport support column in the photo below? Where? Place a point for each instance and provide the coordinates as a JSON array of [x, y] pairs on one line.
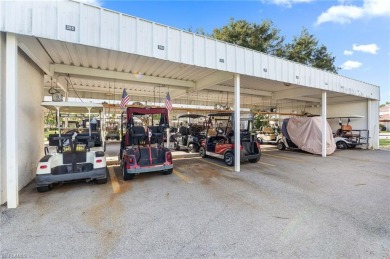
[[237, 140], [373, 124], [324, 123], [10, 120]]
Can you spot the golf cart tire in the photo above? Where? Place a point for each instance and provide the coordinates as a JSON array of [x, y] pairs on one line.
[[167, 172], [229, 158], [255, 160], [281, 145], [202, 152], [192, 148], [127, 176], [44, 188], [341, 145], [102, 180]]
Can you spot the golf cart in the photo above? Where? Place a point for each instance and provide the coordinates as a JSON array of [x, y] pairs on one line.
[[305, 133], [345, 137], [94, 125], [72, 158], [112, 130], [219, 140], [142, 146], [190, 132], [267, 135]]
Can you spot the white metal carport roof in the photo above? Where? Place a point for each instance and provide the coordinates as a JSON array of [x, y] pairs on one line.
[[96, 46]]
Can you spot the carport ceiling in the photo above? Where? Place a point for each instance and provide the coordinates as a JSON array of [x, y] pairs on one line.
[[102, 74]]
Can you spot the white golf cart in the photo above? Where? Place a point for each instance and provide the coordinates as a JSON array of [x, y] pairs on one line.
[[74, 156]]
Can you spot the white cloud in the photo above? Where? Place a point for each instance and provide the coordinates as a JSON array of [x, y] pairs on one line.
[[348, 52], [286, 3], [369, 48], [349, 65], [347, 13]]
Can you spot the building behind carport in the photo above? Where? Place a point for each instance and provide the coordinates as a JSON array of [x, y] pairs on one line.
[[96, 47]]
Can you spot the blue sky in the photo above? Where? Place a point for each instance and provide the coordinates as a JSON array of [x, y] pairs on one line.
[[356, 32]]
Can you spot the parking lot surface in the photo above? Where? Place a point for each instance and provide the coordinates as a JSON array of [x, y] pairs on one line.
[[290, 204]]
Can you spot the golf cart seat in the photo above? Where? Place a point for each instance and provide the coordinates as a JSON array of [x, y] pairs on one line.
[[184, 130], [156, 134], [216, 139], [346, 132], [137, 135]]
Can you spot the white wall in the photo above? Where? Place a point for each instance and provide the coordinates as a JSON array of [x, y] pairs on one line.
[[3, 178], [30, 118], [349, 109]]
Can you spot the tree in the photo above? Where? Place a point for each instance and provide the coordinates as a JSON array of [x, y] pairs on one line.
[[305, 49], [265, 37], [199, 31], [262, 37]]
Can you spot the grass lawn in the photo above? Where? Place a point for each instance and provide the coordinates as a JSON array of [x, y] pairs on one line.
[[384, 143]]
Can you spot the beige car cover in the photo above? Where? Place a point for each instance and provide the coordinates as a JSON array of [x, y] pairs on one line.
[[306, 133]]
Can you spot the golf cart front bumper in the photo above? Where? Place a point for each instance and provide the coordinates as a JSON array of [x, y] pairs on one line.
[[46, 179]]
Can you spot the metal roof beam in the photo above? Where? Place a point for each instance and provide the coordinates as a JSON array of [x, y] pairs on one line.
[[248, 91], [345, 99], [206, 82], [99, 73], [296, 92], [305, 99]]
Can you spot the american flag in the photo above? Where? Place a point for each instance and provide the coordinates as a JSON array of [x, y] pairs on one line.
[[168, 103], [125, 99]]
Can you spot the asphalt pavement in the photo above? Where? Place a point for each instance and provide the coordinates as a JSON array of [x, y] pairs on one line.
[[288, 205]]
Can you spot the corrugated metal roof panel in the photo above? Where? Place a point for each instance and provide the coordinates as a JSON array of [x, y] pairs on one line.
[[109, 31]]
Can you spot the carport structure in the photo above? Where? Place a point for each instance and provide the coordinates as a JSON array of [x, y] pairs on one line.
[[91, 52]]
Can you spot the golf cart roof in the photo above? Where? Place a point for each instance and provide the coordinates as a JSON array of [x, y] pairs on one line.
[[222, 114], [73, 106], [192, 116], [147, 110], [243, 116]]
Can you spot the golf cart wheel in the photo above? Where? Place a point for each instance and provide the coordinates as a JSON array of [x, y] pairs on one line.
[[229, 158], [127, 176], [176, 145], [281, 145], [192, 148], [341, 145], [102, 180], [45, 188], [202, 152], [254, 160], [168, 172]]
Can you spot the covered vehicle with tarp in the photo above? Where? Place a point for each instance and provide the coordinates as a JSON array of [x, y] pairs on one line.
[[305, 133]]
